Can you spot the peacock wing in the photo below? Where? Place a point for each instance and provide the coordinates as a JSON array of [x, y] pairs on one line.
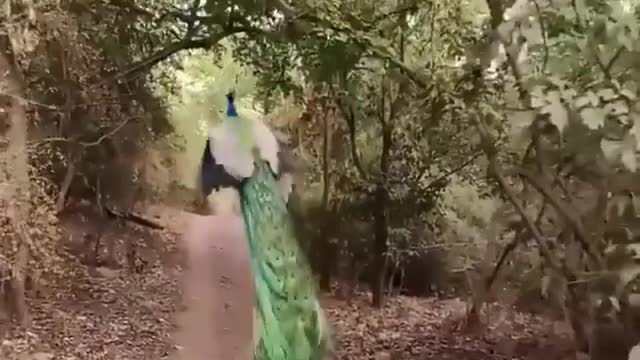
[[227, 149], [267, 145]]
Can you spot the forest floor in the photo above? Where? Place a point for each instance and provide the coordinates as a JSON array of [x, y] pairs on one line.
[[116, 315]]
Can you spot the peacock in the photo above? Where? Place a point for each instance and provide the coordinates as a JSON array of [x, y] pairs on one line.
[[245, 170]]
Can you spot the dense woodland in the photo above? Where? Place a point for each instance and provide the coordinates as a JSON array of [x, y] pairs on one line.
[[482, 152]]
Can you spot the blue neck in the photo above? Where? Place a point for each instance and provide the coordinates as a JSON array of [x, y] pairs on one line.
[[231, 109]]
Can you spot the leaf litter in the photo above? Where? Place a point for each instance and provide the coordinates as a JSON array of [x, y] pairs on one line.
[[431, 328], [126, 316]]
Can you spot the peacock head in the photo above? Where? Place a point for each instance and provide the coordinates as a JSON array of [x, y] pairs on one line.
[[231, 108]]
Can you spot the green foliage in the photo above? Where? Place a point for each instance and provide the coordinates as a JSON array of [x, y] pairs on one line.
[[467, 216], [573, 95]]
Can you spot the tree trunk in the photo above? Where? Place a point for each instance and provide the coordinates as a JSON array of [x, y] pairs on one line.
[[328, 249], [380, 246], [15, 174], [69, 175], [18, 286], [380, 221]]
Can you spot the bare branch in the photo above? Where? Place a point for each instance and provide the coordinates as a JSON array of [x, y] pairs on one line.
[[517, 240], [606, 68], [554, 263], [30, 102], [96, 142], [565, 210], [543, 33], [455, 170]]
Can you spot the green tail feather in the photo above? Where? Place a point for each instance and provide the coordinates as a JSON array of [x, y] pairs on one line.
[[291, 324]]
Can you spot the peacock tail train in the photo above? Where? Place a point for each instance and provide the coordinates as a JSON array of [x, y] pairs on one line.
[[290, 323], [243, 155]]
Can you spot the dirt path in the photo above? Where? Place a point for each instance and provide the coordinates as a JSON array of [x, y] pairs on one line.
[[217, 323]]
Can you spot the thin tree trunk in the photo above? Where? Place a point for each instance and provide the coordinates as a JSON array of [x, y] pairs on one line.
[[18, 280], [66, 184], [380, 225], [381, 246], [328, 250], [14, 163]]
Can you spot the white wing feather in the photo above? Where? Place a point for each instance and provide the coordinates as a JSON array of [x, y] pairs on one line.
[[228, 151], [267, 144]]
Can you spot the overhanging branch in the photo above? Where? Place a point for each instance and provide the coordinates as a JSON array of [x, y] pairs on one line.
[[174, 48]]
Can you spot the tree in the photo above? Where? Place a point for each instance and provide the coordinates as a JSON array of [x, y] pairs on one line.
[[570, 93], [15, 177]]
